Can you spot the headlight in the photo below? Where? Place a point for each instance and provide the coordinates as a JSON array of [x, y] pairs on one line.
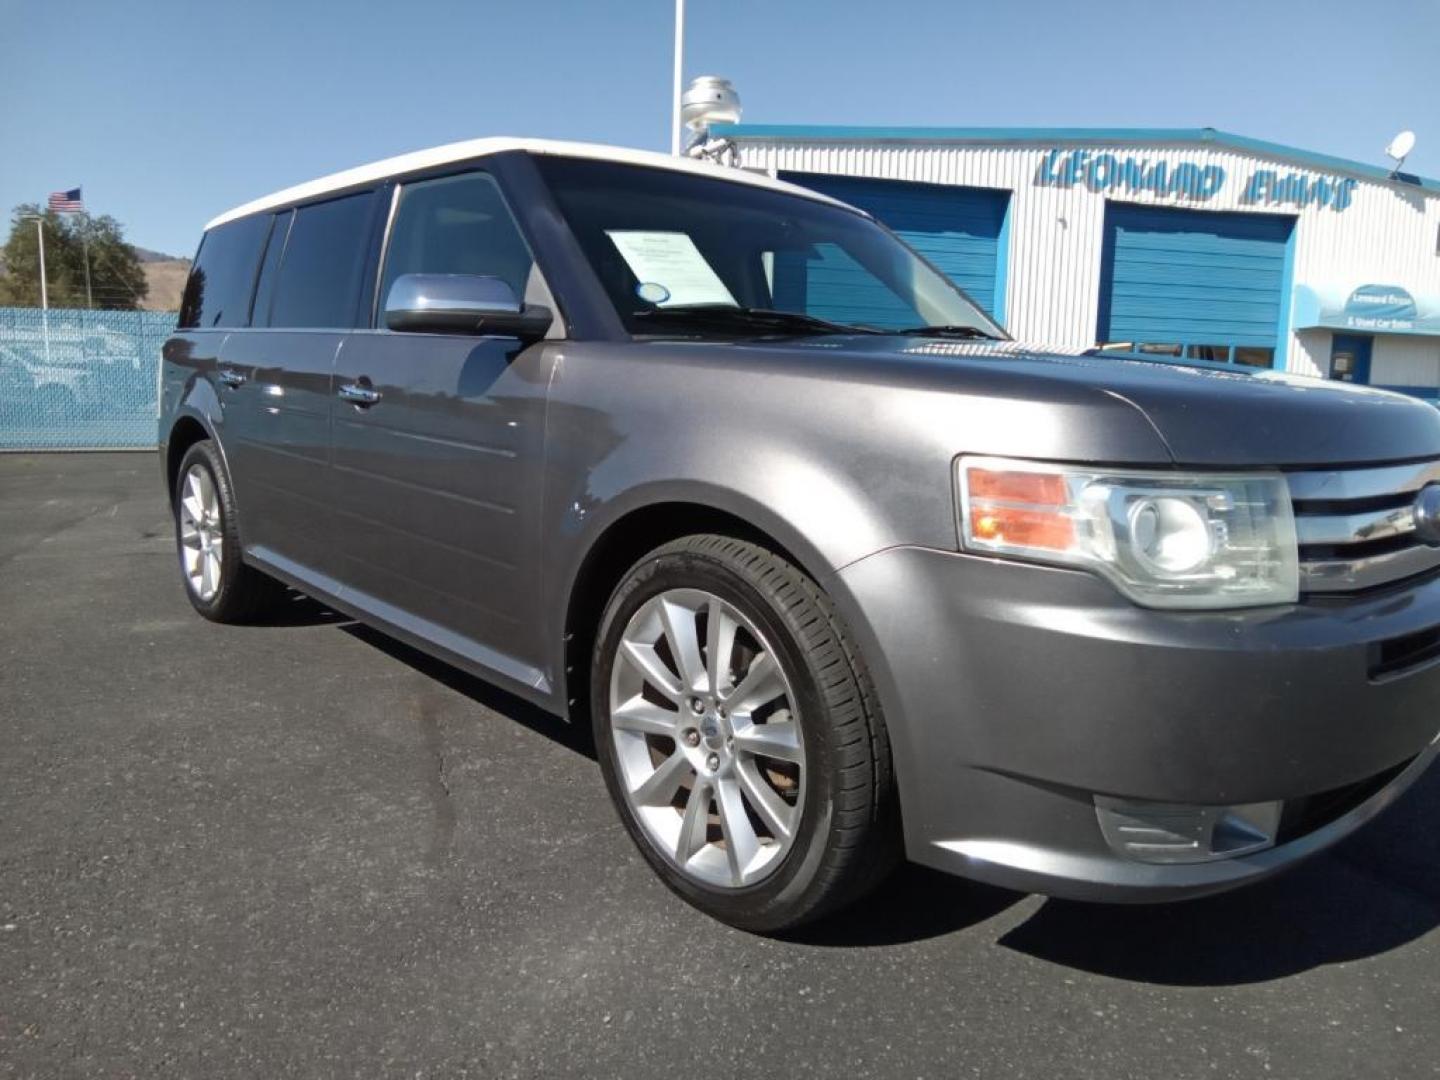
[[1165, 539]]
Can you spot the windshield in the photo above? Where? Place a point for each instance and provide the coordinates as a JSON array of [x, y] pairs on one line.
[[683, 254]]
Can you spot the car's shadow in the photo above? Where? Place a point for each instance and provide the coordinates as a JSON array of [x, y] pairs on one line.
[[1375, 892], [575, 737]]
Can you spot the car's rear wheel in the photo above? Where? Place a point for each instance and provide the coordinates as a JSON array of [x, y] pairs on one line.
[[207, 538], [739, 736]]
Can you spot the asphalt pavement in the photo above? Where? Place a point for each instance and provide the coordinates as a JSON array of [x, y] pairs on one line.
[[303, 850]]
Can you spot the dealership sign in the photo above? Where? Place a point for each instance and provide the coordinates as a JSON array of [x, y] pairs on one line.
[[1106, 172], [1376, 309]]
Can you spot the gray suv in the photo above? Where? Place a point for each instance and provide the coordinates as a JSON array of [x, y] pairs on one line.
[[836, 571]]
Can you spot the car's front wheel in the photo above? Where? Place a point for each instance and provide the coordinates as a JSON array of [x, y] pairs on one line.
[[739, 736]]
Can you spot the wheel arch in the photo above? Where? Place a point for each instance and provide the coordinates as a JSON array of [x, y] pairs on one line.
[[624, 540], [184, 433]]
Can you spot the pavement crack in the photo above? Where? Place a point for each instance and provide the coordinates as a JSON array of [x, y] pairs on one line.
[[437, 785], [51, 534]]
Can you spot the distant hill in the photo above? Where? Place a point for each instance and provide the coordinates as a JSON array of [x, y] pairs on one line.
[[145, 255], [166, 276]]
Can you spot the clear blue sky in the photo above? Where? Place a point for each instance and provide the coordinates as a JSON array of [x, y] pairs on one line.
[[169, 111]]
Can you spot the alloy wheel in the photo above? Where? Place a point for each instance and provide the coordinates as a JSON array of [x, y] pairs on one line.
[[202, 538], [710, 753]]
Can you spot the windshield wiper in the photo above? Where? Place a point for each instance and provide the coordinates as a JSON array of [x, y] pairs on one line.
[[730, 317], [969, 332]]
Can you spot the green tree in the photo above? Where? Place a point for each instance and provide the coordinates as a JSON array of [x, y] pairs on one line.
[[117, 281]]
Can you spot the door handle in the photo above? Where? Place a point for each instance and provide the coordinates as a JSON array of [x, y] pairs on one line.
[[232, 378], [359, 393]]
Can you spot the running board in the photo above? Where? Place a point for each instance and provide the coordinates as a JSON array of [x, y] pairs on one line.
[[427, 636]]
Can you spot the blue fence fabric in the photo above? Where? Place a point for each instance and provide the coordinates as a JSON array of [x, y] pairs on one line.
[[80, 379]]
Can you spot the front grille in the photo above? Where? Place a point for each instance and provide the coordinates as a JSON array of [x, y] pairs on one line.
[[1357, 526]]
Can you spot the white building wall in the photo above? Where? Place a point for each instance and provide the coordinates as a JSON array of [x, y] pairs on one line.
[[1405, 361], [1387, 235]]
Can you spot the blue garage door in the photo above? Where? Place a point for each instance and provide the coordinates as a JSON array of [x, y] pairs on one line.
[[959, 229], [1200, 283]]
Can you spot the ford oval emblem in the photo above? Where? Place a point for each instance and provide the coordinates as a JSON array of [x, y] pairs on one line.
[[1427, 515]]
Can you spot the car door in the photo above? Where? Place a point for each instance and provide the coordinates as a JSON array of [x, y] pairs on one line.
[[439, 465], [280, 376]]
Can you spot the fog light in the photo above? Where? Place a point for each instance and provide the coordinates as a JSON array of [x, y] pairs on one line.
[[1186, 832]]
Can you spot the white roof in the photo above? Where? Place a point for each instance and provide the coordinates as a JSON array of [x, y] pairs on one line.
[[474, 148]]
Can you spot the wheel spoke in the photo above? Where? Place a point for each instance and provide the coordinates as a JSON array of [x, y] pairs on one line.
[[644, 717], [720, 629], [660, 786], [779, 739], [764, 799], [645, 660], [679, 624], [193, 507], [741, 843], [762, 684], [207, 581], [695, 822]]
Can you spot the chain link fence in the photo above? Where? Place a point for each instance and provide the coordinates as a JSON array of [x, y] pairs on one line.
[[80, 379]]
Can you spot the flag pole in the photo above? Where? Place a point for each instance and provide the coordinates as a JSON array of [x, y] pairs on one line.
[[679, 67]]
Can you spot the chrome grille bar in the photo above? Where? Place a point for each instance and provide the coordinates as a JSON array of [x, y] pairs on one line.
[[1352, 484], [1348, 548], [1355, 528]]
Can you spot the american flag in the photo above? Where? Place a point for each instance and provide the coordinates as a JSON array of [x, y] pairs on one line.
[[67, 202]]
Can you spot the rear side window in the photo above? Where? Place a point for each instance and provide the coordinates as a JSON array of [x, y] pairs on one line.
[[456, 225], [270, 269], [217, 293], [319, 280]]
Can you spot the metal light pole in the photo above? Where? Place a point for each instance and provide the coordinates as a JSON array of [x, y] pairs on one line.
[[44, 294], [85, 247], [679, 68]]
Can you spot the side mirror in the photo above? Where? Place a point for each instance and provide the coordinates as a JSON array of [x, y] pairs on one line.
[[462, 304]]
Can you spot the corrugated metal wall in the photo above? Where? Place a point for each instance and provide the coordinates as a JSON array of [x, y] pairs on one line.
[[1387, 234]]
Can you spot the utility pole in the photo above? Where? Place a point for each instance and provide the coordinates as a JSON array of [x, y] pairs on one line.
[[679, 68]]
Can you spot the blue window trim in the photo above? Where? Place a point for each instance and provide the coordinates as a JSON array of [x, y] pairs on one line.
[[1045, 136], [1280, 361], [1001, 313]]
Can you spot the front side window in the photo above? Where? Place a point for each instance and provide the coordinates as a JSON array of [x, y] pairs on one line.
[[667, 245], [456, 225], [318, 284]]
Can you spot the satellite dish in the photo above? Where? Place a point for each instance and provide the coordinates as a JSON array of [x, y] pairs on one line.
[[1400, 147]]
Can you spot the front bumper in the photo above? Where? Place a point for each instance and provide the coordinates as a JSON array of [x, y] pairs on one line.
[[1016, 694]]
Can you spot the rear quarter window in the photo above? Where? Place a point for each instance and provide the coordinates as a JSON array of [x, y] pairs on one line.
[[217, 293]]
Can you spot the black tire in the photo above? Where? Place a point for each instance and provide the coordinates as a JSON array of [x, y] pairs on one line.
[[245, 594], [848, 838]]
